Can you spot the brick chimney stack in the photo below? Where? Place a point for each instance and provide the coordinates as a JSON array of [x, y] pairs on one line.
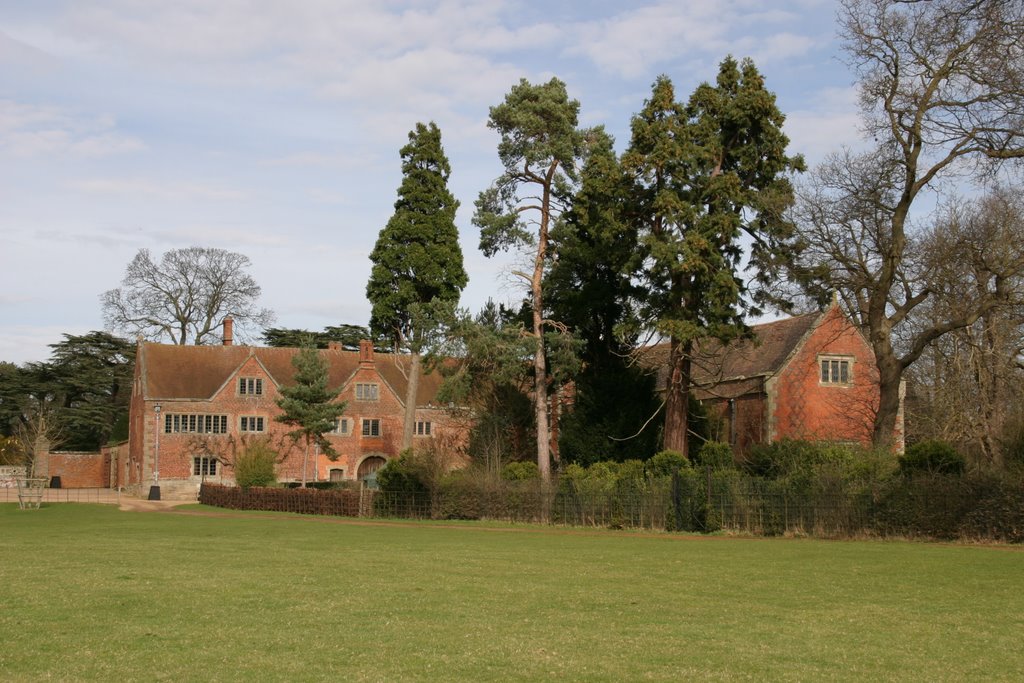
[[365, 352], [229, 331], [334, 346]]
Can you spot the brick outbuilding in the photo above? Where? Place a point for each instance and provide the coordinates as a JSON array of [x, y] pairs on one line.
[[811, 376]]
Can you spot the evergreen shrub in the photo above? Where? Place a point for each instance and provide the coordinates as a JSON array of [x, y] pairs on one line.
[[792, 456], [664, 463], [520, 471], [716, 455], [254, 466], [401, 475]]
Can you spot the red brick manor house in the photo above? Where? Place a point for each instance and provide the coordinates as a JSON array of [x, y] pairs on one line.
[[193, 408]]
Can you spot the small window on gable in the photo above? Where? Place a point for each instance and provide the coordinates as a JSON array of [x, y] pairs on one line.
[[250, 386], [422, 428], [367, 391], [836, 370]]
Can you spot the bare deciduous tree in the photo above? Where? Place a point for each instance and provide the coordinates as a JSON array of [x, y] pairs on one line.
[[38, 429], [969, 383], [185, 297], [942, 93]]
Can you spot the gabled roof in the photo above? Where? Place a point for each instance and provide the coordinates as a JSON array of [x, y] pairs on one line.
[[198, 372], [763, 355]]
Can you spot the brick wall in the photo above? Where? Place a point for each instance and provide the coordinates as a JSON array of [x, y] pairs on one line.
[[80, 470], [803, 407]]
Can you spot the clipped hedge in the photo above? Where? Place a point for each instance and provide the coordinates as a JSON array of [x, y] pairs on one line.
[[303, 501]]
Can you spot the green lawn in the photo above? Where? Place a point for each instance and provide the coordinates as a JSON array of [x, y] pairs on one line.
[[90, 592]]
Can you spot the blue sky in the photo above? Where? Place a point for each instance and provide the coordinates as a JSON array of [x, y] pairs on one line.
[[273, 128]]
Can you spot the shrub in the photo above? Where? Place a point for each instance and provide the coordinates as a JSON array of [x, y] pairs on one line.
[[664, 463], [402, 475], [795, 457], [254, 466], [716, 455], [932, 457], [520, 471]]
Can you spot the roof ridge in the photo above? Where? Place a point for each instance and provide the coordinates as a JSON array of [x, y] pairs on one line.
[[787, 319]]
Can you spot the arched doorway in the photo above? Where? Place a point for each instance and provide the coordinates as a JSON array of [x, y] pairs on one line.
[[368, 470]]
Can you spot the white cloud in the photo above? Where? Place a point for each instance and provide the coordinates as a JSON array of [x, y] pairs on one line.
[[313, 159], [105, 239], [157, 189], [16, 54], [310, 39], [629, 43], [11, 298], [225, 236], [40, 130], [833, 121], [15, 116], [777, 47], [327, 196], [634, 42]]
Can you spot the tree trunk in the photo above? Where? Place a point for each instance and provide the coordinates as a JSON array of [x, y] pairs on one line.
[[990, 375], [305, 463], [678, 397], [540, 388], [540, 371], [412, 388], [890, 373]]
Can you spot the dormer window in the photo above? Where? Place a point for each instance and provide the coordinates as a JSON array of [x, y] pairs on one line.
[[367, 392], [250, 386]]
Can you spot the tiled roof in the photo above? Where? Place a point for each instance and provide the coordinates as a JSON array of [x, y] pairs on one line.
[[763, 355], [197, 372]]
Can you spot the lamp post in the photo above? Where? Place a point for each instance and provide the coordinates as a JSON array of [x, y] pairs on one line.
[[154, 490]]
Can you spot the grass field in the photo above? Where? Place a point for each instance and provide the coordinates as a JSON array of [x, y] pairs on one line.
[[90, 592]]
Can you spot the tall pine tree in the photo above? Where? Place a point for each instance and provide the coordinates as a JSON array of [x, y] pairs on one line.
[[710, 178], [417, 273], [540, 144]]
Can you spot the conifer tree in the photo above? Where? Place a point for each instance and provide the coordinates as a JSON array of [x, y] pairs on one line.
[[540, 143], [417, 273], [592, 288], [309, 405], [708, 176]]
